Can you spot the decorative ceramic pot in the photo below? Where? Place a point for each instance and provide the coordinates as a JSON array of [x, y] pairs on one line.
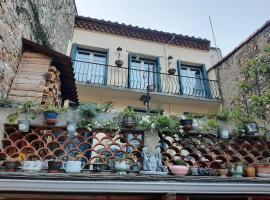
[[97, 167], [179, 170], [194, 171], [71, 128], [187, 124], [11, 166], [237, 171], [32, 166], [223, 172], [73, 166], [171, 71], [250, 171], [128, 122], [263, 170], [51, 117], [54, 166], [119, 63], [224, 134], [251, 128], [23, 125], [121, 167]]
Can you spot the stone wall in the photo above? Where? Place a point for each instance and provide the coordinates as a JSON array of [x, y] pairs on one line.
[[46, 22], [228, 72]]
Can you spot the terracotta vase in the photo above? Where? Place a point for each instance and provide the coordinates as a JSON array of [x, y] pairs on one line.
[[250, 171]]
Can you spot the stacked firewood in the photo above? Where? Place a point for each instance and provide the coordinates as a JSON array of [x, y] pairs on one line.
[[52, 89]]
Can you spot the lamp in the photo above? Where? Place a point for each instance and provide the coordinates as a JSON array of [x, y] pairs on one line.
[[171, 71], [119, 62]]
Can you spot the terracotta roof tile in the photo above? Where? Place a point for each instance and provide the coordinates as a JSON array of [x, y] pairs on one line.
[[140, 33]]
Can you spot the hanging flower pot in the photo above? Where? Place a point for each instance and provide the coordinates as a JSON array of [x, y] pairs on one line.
[[172, 71], [128, 122], [24, 125], [119, 63]]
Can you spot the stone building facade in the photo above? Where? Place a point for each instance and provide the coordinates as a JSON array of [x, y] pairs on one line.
[[228, 69], [49, 23]]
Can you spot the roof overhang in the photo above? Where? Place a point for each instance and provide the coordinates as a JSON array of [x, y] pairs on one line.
[[62, 63]]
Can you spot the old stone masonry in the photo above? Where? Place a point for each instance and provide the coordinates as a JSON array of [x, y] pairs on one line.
[[47, 22]]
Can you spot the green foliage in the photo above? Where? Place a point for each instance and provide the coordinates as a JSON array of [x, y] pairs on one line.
[[180, 162], [213, 124], [128, 112], [222, 114], [29, 108], [87, 112], [253, 98], [6, 102], [51, 107], [106, 106], [166, 123]]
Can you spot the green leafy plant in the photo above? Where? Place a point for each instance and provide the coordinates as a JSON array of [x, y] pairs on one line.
[[213, 124], [5, 102], [166, 123], [253, 97], [106, 106], [29, 108], [87, 112], [128, 112], [180, 162]]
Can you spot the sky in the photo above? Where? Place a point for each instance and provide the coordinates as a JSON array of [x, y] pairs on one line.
[[233, 20]]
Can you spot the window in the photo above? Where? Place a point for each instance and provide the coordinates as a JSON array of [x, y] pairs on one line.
[[142, 73], [191, 80], [90, 66]]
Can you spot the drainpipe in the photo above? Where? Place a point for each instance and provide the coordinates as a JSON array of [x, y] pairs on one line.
[[166, 48]]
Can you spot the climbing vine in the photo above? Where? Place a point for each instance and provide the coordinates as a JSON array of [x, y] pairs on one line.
[[39, 31]]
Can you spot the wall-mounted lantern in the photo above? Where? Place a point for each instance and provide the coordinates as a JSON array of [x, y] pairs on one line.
[[119, 62], [171, 70]]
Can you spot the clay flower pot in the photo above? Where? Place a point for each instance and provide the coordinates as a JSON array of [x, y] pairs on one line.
[[179, 170], [250, 171], [223, 172], [128, 122], [263, 170], [11, 166], [171, 71], [119, 63], [54, 166]]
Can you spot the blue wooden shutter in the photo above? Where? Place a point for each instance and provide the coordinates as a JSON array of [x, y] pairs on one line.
[[73, 51], [179, 76], [129, 69], [106, 68], [158, 84], [205, 81]]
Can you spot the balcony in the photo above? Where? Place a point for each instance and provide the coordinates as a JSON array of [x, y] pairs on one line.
[[137, 80]]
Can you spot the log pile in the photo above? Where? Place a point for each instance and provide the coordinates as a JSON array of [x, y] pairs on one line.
[[52, 89]]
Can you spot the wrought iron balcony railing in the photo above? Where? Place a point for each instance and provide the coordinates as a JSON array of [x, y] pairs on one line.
[[100, 74]]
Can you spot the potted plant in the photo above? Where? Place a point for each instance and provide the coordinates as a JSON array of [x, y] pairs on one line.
[[30, 109], [166, 124], [54, 165], [237, 170], [121, 166], [171, 71], [213, 125], [5, 102], [51, 112], [128, 118], [87, 112], [32, 165], [11, 164], [179, 168], [186, 121], [74, 165]]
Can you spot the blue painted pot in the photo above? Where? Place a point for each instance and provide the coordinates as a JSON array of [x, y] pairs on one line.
[[51, 117]]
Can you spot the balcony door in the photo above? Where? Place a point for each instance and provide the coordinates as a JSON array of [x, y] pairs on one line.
[[191, 81], [142, 72], [90, 66]]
